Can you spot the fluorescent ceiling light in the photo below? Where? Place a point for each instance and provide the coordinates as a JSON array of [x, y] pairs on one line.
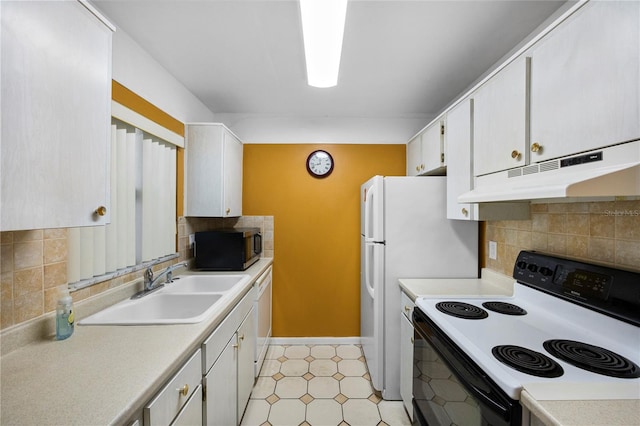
[[322, 30]]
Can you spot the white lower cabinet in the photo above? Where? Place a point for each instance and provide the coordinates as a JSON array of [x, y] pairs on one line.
[[169, 406], [222, 394], [406, 353], [228, 364], [246, 353]]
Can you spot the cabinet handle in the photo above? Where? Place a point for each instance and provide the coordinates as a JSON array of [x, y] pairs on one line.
[[465, 212], [515, 154], [536, 147], [412, 340], [184, 391], [101, 211], [235, 346]]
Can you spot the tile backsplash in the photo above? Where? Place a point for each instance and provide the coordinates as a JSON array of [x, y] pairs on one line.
[[34, 265], [599, 232]]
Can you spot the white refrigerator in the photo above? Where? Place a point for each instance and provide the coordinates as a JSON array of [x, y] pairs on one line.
[[404, 234]]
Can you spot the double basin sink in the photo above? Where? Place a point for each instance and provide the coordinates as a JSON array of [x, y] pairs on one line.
[[188, 299]]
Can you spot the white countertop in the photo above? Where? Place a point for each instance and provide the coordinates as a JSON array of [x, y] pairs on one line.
[[491, 284], [101, 374], [557, 404]]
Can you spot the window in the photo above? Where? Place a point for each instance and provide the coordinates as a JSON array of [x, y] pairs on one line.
[[143, 210]]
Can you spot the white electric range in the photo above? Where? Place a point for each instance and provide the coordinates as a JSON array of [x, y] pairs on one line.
[[567, 322]]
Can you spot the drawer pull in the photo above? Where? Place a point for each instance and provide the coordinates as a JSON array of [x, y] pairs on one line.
[[184, 391]]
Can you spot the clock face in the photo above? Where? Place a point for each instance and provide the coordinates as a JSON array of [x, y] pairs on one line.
[[320, 163]]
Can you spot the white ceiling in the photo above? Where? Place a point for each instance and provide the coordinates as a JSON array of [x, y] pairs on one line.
[[403, 60]]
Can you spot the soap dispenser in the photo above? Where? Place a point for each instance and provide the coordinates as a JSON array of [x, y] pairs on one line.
[[64, 315]]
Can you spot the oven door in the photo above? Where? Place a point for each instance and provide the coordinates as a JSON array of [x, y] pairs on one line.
[[448, 388]]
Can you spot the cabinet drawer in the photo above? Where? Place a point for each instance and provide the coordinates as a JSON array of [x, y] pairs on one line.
[[215, 343], [406, 305], [168, 402]]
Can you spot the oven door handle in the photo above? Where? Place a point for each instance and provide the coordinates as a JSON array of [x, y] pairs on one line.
[[461, 366], [458, 367]]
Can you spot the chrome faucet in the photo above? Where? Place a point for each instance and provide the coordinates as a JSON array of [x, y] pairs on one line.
[[151, 283]]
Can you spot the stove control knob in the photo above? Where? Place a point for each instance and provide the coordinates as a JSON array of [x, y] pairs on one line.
[[532, 268], [521, 264], [546, 271]]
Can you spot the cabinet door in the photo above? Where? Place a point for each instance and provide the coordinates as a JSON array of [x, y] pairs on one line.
[[459, 164], [56, 112], [246, 353], [232, 180], [500, 120], [433, 147], [221, 383], [406, 363], [213, 171], [414, 156], [585, 81]]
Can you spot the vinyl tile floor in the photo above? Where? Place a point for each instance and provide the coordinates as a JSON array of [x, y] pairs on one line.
[[318, 385]]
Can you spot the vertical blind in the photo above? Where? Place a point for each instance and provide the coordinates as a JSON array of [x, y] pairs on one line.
[[143, 208]]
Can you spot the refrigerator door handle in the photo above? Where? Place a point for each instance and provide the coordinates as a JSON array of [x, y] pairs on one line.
[[369, 198], [367, 270]]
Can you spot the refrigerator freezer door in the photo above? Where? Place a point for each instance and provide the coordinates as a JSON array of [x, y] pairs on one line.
[[372, 209], [371, 318]]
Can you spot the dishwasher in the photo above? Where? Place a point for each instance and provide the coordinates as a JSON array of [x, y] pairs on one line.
[[263, 315]]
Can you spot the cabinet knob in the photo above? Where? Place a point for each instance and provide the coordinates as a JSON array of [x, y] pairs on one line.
[[407, 309], [417, 168], [515, 154], [228, 211], [412, 340], [421, 166], [184, 391], [101, 211], [241, 337], [465, 212], [536, 147]]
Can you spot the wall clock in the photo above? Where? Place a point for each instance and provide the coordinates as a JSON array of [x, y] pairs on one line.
[[320, 164]]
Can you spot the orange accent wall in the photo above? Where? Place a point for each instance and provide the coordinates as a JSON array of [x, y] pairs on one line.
[[316, 281]]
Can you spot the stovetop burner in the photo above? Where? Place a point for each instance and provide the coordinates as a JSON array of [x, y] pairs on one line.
[[527, 361], [504, 308], [461, 310], [592, 358]]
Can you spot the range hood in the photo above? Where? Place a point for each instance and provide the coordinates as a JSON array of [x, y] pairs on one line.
[[611, 171]]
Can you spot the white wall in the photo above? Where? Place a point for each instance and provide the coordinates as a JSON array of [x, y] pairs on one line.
[[135, 69]]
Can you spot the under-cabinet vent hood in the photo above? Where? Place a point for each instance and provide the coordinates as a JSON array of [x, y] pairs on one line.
[[612, 171]]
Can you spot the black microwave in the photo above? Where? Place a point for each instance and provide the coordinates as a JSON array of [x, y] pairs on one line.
[[229, 249]]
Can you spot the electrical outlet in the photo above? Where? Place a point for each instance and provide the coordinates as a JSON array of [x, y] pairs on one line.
[[493, 250], [192, 240]]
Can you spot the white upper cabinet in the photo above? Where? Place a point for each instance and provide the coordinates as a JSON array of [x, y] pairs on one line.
[[433, 148], [500, 120], [425, 152], [56, 115], [459, 163], [585, 81], [213, 169], [414, 156]]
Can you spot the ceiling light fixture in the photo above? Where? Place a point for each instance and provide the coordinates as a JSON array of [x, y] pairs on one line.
[[322, 30]]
